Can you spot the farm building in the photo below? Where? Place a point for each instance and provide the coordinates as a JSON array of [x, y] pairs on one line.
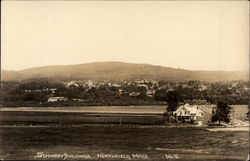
[[188, 113], [55, 99]]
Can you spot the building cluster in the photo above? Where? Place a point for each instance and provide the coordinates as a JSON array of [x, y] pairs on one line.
[[189, 113], [149, 86], [145, 87]]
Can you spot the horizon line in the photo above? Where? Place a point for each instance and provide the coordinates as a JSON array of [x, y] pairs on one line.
[[16, 70]]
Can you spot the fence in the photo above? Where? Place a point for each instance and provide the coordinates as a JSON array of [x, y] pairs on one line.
[[75, 118]]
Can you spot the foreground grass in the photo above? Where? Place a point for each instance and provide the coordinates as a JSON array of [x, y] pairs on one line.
[[188, 143]]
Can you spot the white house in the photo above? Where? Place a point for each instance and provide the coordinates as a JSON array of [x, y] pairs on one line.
[[188, 113]]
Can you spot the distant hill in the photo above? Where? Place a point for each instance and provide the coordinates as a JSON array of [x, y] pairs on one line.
[[119, 71]]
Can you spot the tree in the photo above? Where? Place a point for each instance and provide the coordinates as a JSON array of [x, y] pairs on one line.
[[221, 113], [160, 95], [172, 99]]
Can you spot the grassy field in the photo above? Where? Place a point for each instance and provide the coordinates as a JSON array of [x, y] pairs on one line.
[[99, 115], [152, 115], [109, 109], [87, 130], [76, 118], [186, 143], [240, 111]]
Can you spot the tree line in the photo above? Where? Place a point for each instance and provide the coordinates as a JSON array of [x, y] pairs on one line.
[[37, 92]]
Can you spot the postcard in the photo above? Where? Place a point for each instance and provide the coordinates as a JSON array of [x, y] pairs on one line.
[[124, 80]]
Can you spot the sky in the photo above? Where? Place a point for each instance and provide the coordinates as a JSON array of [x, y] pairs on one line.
[[194, 35]]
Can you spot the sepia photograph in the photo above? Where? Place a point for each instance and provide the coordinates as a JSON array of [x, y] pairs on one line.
[[133, 80]]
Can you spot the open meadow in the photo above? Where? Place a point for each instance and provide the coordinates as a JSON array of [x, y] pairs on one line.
[[114, 133], [184, 143], [99, 115]]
